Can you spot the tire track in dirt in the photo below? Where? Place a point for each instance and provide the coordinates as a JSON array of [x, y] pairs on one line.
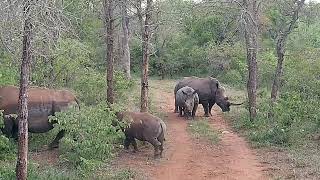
[[186, 158]]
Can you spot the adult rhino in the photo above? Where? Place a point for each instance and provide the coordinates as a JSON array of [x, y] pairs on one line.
[[144, 127], [209, 91], [42, 102]]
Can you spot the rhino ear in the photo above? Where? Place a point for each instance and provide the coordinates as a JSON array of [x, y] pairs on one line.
[[184, 93], [195, 91]]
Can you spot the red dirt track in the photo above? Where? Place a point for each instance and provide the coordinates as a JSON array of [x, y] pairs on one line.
[[186, 158]]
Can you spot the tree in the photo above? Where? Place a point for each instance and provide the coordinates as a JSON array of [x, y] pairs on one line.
[[251, 13], [146, 36], [125, 39], [109, 25], [21, 168], [282, 33]]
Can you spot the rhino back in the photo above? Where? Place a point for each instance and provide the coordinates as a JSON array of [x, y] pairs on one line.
[[143, 125], [41, 101], [205, 87]]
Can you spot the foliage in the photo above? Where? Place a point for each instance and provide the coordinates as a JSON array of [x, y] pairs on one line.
[[8, 71], [267, 64], [7, 146], [90, 137], [295, 116], [90, 87], [8, 149], [202, 129]]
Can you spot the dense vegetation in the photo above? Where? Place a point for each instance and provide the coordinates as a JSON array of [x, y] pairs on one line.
[[200, 39]]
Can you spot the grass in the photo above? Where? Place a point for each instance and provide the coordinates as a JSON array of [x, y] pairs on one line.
[[201, 129], [37, 172], [288, 153], [122, 174]]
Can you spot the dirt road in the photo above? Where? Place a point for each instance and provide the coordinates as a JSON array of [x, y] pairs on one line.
[[186, 158]]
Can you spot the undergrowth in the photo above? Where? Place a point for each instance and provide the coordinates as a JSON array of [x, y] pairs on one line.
[[202, 129]]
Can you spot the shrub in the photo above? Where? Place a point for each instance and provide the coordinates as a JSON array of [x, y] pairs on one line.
[[8, 148], [90, 138], [232, 77], [8, 71]]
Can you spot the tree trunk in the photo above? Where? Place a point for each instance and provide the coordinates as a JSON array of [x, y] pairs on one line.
[[279, 68], [109, 23], [251, 34], [145, 58], [125, 40], [21, 167], [281, 40]]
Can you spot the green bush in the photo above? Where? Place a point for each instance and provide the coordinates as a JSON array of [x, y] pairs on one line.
[[8, 148], [8, 71], [267, 64], [90, 87], [122, 86], [232, 77], [90, 138]]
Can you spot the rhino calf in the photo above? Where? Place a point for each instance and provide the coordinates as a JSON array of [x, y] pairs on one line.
[[187, 101], [144, 127]]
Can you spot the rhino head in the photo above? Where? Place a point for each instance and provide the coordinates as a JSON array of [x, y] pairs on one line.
[[223, 101], [189, 102]]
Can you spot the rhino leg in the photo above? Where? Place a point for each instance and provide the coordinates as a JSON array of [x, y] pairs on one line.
[[134, 143], [180, 111], [175, 107], [210, 107], [206, 108], [194, 110], [126, 143], [130, 140], [161, 149], [156, 144], [55, 142], [10, 129], [161, 139]]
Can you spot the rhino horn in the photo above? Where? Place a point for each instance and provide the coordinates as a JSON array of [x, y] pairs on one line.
[[236, 104]]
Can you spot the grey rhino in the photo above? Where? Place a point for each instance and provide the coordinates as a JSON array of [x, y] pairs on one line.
[[187, 101], [42, 103], [209, 91], [144, 127]]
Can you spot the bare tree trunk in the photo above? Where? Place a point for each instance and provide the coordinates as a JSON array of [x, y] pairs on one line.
[[251, 34], [279, 68], [145, 59], [125, 39], [21, 167], [109, 23], [281, 41]]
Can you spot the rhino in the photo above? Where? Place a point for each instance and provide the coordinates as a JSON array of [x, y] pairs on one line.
[[209, 91], [144, 127], [187, 101], [42, 103]]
